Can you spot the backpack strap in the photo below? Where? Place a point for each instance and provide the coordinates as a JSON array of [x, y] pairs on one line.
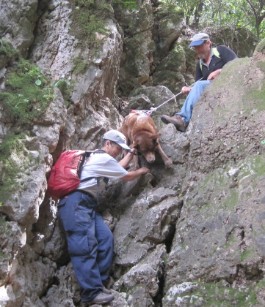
[[105, 179], [86, 156]]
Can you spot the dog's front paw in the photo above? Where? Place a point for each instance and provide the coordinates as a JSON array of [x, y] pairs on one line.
[[168, 163], [147, 178]]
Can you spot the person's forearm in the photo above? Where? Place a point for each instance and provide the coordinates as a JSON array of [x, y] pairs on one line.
[[133, 174], [214, 74], [126, 160], [218, 71]]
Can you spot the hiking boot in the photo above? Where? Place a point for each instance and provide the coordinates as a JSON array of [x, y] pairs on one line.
[[105, 290], [102, 298], [108, 283], [176, 120]]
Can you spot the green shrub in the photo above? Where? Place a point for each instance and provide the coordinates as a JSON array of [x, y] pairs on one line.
[[27, 93], [10, 148], [7, 53], [88, 19], [66, 89], [80, 66], [3, 224], [5, 233], [6, 49], [127, 4]]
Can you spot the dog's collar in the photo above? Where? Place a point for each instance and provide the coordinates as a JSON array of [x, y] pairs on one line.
[[142, 112]]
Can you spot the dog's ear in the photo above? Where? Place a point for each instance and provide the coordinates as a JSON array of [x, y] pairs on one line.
[[155, 141], [158, 137], [137, 142], [155, 136], [137, 148], [134, 144]]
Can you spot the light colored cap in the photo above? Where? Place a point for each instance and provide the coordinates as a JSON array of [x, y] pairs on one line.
[[116, 137], [199, 39]]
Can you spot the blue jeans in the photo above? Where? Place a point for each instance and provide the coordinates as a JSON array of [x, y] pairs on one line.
[[192, 98], [89, 240]]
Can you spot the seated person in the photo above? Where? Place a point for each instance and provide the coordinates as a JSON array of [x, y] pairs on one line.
[[210, 64]]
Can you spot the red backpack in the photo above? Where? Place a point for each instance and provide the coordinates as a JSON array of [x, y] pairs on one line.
[[65, 174]]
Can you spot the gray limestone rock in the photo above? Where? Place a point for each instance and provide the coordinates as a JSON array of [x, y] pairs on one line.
[[189, 236], [141, 282], [220, 232], [147, 222], [17, 23]]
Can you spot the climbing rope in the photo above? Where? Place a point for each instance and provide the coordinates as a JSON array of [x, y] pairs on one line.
[[153, 109]]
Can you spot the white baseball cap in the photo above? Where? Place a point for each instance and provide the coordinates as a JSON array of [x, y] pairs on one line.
[[198, 39], [116, 137]]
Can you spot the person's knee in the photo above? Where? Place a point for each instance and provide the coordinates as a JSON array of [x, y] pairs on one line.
[[80, 244], [108, 241], [199, 87], [201, 83]]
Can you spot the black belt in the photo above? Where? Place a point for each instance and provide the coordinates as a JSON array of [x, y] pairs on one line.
[[87, 193]]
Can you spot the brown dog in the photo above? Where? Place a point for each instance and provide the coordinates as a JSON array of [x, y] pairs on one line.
[[139, 128]]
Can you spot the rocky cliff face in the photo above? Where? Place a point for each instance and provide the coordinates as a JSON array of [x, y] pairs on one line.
[[192, 235]]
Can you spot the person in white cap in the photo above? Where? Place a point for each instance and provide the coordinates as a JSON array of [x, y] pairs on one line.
[[89, 239], [210, 63]]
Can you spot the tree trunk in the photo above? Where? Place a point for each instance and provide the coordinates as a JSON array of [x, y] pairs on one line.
[[197, 14]]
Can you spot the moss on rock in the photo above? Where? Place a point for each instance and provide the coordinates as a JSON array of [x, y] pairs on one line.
[[88, 20], [224, 295], [261, 66], [257, 95], [126, 4], [66, 88], [7, 52], [12, 163], [211, 294], [261, 47], [27, 94]]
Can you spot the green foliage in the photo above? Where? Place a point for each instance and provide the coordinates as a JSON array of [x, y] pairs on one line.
[[170, 11], [62, 85], [27, 93], [66, 89], [6, 49], [247, 255], [3, 225], [89, 19], [261, 46], [7, 53], [190, 8], [220, 294], [127, 4], [5, 232], [9, 166], [257, 95], [80, 66], [217, 294], [249, 14], [261, 66]]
